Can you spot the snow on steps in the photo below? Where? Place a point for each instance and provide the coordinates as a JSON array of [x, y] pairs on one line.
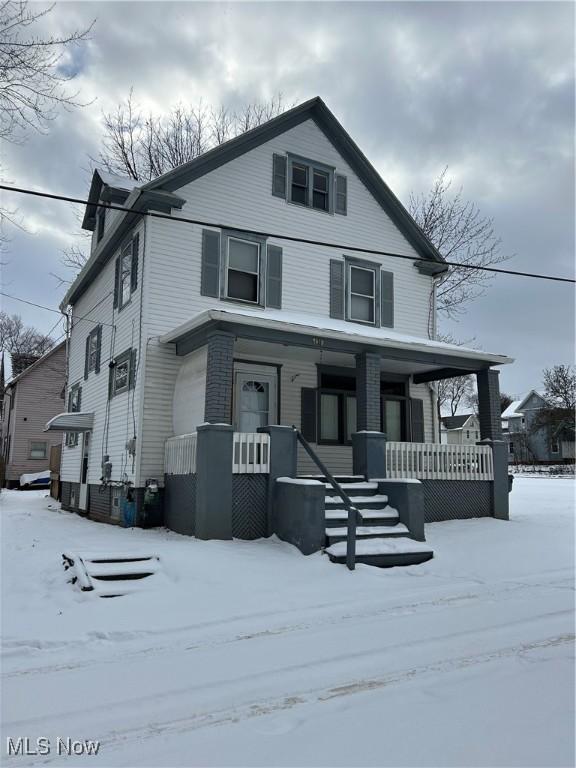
[[384, 513], [383, 553], [111, 575], [375, 499], [369, 530]]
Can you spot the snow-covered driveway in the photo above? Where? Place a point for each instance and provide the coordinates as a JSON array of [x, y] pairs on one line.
[[251, 654]]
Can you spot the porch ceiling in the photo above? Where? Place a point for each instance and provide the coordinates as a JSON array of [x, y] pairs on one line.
[[426, 358]]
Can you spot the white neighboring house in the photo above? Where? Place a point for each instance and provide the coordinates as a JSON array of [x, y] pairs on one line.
[[177, 323], [463, 429]]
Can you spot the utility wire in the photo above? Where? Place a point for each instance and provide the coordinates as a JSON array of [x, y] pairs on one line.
[[276, 236], [51, 309]]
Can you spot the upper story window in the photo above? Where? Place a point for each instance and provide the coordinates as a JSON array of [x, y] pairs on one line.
[[241, 267], [126, 274], [93, 348], [74, 403], [243, 270], [362, 294], [309, 183]]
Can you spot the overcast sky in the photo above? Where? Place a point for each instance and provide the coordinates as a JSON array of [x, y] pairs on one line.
[[484, 88]]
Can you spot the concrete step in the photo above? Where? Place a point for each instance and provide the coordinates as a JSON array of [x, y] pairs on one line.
[[383, 552], [386, 516], [339, 478], [367, 532], [375, 501], [358, 489]]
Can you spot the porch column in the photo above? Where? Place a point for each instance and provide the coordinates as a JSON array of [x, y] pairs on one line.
[[368, 392], [489, 404], [219, 373], [491, 434]]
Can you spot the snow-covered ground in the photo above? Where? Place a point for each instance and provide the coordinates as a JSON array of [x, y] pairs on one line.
[[251, 654]]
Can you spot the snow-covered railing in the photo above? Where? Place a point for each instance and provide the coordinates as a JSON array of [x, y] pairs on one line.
[[251, 453], [180, 455], [432, 461]]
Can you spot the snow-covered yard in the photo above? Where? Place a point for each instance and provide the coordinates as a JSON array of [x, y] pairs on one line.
[[251, 654]]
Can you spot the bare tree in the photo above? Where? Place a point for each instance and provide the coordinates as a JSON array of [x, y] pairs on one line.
[[452, 393], [144, 146], [34, 81], [17, 338], [461, 234], [560, 386], [505, 401]]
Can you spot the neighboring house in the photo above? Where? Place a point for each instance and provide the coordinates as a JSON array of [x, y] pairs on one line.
[[463, 429], [33, 396], [531, 442], [219, 319]]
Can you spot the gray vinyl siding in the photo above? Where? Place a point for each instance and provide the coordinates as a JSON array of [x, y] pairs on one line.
[[96, 304], [38, 399]]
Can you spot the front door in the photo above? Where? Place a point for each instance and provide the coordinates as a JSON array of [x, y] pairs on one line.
[[255, 397], [83, 497]]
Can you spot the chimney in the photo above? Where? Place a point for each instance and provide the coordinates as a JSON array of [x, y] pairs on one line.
[[21, 361]]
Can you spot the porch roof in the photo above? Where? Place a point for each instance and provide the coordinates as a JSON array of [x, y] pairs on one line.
[[433, 359]]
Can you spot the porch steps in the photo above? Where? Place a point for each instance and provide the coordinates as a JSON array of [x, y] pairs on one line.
[[381, 539]]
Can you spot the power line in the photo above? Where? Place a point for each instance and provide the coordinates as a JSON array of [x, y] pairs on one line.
[[276, 236], [51, 309]]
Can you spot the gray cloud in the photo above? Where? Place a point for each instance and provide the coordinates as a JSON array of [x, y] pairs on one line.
[[485, 88]]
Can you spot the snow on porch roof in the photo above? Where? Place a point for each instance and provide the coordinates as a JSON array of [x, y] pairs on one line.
[[70, 422], [312, 325]]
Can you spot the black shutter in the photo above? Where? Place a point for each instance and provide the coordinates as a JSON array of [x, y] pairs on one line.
[[134, 270], [86, 356], [111, 370], [387, 299], [116, 281], [308, 401], [417, 420], [274, 277], [70, 401], [279, 176], [337, 289], [210, 273], [98, 348], [341, 185], [79, 405]]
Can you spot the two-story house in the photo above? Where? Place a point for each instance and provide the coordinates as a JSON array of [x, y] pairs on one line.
[[274, 280], [462, 429], [33, 396], [530, 441]]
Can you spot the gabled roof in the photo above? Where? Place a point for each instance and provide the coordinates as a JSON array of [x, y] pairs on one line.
[[37, 364], [512, 410], [316, 110], [106, 185], [516, 408], [456, 422]]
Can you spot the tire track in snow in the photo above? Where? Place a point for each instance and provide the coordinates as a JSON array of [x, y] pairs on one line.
[[399, 609], [267, 706]]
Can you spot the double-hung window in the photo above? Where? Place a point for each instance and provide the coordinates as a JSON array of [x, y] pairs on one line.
[[93, 350], [74, 398], [243, 270], [125, 276], [320, 190], [122, 373], [300, 179], [361, 294]]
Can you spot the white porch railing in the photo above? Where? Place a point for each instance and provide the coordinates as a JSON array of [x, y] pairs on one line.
[[180, 455], [431, 461], [251, 453]]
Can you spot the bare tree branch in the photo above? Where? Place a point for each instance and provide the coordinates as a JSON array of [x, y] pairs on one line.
[[461, 234]]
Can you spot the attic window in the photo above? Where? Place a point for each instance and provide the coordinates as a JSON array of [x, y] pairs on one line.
[[311, 184]]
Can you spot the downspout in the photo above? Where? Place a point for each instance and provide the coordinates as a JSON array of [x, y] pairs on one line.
[[432, 333]]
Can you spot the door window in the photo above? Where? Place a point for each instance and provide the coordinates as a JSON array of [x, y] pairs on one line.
[[254, 405]]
